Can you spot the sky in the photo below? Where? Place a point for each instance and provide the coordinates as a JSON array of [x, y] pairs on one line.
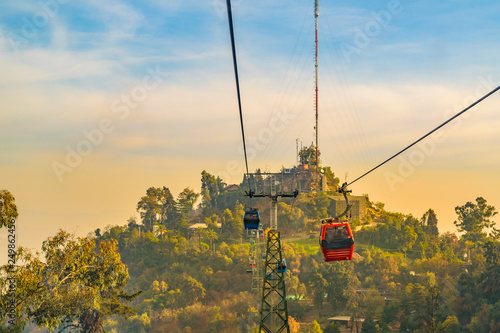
[[101, 100]]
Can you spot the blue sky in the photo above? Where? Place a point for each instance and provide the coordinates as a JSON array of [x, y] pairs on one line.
[[155, 79]]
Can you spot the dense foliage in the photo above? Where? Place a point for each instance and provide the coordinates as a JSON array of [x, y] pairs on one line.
[[406, 276]]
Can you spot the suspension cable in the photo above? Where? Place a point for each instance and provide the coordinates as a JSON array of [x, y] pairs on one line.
[[231, 32], [414, 143]]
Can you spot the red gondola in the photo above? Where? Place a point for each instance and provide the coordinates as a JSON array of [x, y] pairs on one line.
[[336, 241]]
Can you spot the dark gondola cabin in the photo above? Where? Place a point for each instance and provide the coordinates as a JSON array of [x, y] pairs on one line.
[[336, 241], [251, 219], [280, 269], [281, 266]]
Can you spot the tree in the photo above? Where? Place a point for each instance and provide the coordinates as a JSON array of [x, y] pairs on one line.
[[411, 304], [292, 285], [211, 187], [408, 238], [78, 285], [161, 230], [169, 212], [430, 311], [331, 180], [489, 280], [315, 205], [235, 227], [451, 325], [138, 323], [423, 306], [342, 282], [193, 291], [353, 305], [158, 205], [206, 200], [200, 232], [226, 219], [212, 222], [318, 286], [132, 223], [373, 303], [315, 328], [390, 313], [307, 155], [211, 235], [291, 218], [185, 204], [149, 207], [293, 325], [369, 325], [186, 200], [430, 223], [8, 208], [332, 327], [473, 218]]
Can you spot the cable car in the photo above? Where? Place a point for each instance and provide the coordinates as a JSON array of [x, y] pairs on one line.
[[252, 265], [281, 267], [335, 238], [251, 219], [336, 241]]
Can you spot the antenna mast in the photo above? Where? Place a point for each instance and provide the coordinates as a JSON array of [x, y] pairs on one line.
[[316, 14]]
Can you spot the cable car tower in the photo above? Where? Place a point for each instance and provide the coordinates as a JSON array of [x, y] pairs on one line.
[[273, 310]]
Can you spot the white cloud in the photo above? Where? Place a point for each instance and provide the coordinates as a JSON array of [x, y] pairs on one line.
[[171, 7], [121, 18]]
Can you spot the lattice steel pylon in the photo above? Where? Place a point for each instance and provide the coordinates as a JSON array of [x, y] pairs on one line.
[[274, 310]]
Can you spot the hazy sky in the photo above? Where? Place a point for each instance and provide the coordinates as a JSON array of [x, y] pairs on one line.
[[102, 99]]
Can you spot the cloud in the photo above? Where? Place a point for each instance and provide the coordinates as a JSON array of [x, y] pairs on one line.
[[121, 19]]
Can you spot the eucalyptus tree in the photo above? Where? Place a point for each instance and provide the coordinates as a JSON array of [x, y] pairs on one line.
[[8, 208], [77, 284], [158, 206], [473, 218], [186, 200]]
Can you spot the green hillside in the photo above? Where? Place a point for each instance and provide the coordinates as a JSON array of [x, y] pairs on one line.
[[406, 276]]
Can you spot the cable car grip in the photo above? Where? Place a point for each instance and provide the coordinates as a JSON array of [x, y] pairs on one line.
[[348, 206]]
